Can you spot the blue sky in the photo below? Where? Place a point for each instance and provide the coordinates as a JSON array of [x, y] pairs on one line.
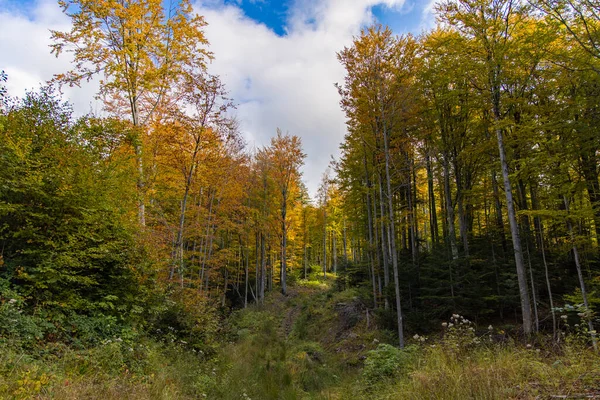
[[276, 57], [275, 13]]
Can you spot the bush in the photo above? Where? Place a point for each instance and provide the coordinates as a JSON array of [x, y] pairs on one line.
[[16, 325], [387, 361]]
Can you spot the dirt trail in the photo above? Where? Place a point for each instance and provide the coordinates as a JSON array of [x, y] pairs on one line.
[[290, 318]]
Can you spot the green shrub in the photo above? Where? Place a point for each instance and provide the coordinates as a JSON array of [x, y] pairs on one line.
[[15, 324], [387, 361]]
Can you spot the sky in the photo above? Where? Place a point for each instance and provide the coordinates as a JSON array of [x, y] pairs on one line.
[[277, 59]]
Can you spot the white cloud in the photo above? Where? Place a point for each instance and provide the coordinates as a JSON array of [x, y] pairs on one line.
[[277, 81], [288, 81], [26, 58]]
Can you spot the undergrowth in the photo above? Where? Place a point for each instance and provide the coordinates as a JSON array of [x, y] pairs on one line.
[[315, 343]]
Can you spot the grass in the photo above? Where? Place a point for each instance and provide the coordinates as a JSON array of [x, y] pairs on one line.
[[312, 344], [153, 371], [498, 373]]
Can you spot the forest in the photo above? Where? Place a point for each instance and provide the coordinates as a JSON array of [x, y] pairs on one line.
[[452, 250]]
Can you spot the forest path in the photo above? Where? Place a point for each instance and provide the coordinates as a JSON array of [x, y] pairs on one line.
[[292, 347]]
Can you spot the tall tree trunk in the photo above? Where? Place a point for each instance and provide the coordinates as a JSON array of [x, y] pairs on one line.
[[304, 239], [345, 244], [514, 229], [498, 209], [179, 242], [334, 250], [411, 218], [283, 262], [324, 242], [548, 285], [206, 240], [371, 251], [462, 220], [139, 160], [449, 209], [263, 268], [392, 239], [588, 317], [536, 318], [258, 264], [432, 206], [246, 258], [385, 254]]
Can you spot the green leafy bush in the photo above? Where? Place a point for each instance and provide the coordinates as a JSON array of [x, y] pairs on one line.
[[387, 361]]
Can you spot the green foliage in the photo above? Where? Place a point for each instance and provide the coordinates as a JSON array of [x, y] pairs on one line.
[[66, 243], [184, 317], [387, 361], [16, 326]]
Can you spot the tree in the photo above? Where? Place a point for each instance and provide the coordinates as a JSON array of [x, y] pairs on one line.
[[140, 53], [491, 25], [205, 97], [581, 21], [377, 95], [65, 237], [286, 156]]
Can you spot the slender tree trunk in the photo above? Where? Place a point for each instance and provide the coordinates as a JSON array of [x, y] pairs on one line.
[[411, 221], [210, 249], [392, 240], [283, 262], [371, 251], [305, 254], [139, 160], [449, 210], [384, 244], [247, 262], [206, 241], [548, 285], [345, 244], [258, 266], [516, 238], [498, 208], [263, 268], [179, 242], [324, 242], [432, 206], [462, 220], [334, 251], [580, 276], [533, 295]]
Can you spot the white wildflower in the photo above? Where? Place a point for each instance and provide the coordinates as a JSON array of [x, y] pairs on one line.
[[444, 324], [490, 328]]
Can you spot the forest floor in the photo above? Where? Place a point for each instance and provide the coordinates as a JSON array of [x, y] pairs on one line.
[[318, 342]]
